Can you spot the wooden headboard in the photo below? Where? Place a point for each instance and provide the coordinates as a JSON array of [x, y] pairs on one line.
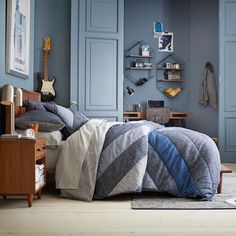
[[27, 95]]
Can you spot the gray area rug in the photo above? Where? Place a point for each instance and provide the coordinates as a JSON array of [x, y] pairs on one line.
[[152, 201]]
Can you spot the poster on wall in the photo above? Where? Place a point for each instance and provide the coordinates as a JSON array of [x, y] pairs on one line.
[[18, 38], [165, 42]]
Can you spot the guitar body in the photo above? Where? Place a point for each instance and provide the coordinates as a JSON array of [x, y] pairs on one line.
[[46, 86]]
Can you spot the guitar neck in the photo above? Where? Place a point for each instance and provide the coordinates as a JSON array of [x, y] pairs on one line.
[[46, 55]]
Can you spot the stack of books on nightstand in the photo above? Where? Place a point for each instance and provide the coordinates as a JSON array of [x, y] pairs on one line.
[[39, 176]]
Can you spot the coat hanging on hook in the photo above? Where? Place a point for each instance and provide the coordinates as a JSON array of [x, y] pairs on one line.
[[208, 91]]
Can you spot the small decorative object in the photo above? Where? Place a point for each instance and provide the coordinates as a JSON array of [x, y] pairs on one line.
[[167, 65], [130, 91], [157, 29], [29, 133], [170, 92], [35, 127], [141, 81], [177, 66], [165, 43], [145, 50], [137, 107], [18, 38], [147, 65], [138, 64]]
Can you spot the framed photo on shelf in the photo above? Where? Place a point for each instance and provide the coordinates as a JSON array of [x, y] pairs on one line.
[[165, 42], [145, 50], [18, 38]]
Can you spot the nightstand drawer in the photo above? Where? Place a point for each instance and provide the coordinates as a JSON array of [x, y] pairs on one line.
[[40, 148]]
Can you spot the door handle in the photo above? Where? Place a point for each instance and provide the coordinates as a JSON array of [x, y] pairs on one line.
[[74, 103]]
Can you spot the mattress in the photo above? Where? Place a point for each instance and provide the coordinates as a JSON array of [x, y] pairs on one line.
[[52, 156]]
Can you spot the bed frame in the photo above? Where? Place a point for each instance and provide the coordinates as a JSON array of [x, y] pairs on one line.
[[31, 95], [27, 95]]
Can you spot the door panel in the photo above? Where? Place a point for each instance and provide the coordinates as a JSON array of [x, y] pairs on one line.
[[101, 74], [97, 57], [102, 15], [227, 108]]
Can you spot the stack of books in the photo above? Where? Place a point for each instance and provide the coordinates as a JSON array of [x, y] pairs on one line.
[[39, 176]]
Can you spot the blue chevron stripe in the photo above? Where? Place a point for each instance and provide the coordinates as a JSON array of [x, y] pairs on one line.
[[174, 162]]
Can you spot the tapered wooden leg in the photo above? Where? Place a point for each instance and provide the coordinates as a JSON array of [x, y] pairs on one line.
[[39, 194], [219, 190], [30, 199]]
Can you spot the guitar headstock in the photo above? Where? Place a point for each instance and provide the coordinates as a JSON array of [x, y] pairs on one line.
[[46, 43]]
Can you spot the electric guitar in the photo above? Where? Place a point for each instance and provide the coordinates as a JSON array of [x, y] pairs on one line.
[[46, 89]]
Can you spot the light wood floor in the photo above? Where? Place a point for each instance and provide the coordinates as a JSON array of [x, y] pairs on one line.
[[55, 216]]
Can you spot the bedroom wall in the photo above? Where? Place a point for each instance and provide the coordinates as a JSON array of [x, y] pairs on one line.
[[204, 44], [139, 18], [52, 18], [195, 39]]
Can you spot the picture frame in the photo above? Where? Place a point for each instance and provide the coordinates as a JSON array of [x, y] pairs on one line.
[[165, 42], [18, 38]]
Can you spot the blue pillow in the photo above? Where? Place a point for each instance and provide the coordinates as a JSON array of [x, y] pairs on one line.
[[47, 121], [73, 120]]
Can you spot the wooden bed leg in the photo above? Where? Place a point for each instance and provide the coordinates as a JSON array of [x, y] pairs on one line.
[[30, 199], [219, 190]]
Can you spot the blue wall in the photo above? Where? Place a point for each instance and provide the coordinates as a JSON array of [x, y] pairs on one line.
[[195, 31], [52, 18], [204, 44], [139, 18], [7, 78]]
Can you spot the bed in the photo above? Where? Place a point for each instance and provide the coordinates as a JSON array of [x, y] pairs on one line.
[[101, 159]]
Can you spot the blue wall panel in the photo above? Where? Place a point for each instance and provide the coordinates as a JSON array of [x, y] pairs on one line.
[[101, 74], [102, 15], [227, 113]]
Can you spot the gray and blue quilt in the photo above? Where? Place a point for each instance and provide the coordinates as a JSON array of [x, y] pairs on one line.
[[104, 159]]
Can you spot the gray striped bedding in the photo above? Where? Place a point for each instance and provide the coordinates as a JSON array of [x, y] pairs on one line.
[[104, 159]]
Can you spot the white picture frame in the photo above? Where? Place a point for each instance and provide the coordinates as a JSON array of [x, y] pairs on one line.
[[18, 38], [165, 42]]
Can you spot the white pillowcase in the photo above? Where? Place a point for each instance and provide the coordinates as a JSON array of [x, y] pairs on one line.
[[53, 139]]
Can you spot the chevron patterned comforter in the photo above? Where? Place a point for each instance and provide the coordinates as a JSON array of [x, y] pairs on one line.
[[103, 159]]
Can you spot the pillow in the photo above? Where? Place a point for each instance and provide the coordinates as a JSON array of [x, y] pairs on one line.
[[33, 105], [73, 120], [47, 121]]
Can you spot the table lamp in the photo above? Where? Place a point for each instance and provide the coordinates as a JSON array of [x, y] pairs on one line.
[[11, 98]]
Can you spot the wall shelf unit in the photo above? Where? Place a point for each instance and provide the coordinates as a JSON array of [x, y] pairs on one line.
[[170, 75], [139, 63]]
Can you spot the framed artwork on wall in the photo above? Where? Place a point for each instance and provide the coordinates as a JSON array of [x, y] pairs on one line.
[[165, 42], [18, 38]]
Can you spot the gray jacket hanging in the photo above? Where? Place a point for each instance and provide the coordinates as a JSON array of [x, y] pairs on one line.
[[208, 92]]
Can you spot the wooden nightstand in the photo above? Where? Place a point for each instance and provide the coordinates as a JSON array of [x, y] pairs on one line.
[[18, 160]]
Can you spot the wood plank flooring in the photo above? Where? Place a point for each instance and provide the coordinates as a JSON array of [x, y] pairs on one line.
[[55, 216]]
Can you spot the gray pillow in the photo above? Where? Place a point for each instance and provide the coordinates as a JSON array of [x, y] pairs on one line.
[[48, 121], [33, 105], [73, 120]]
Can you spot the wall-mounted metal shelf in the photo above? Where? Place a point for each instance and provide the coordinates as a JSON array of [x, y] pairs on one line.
[[170, 75], [140, 66]]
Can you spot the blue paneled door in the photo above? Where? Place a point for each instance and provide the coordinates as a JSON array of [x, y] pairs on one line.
[[227, 116], [97, 35]]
